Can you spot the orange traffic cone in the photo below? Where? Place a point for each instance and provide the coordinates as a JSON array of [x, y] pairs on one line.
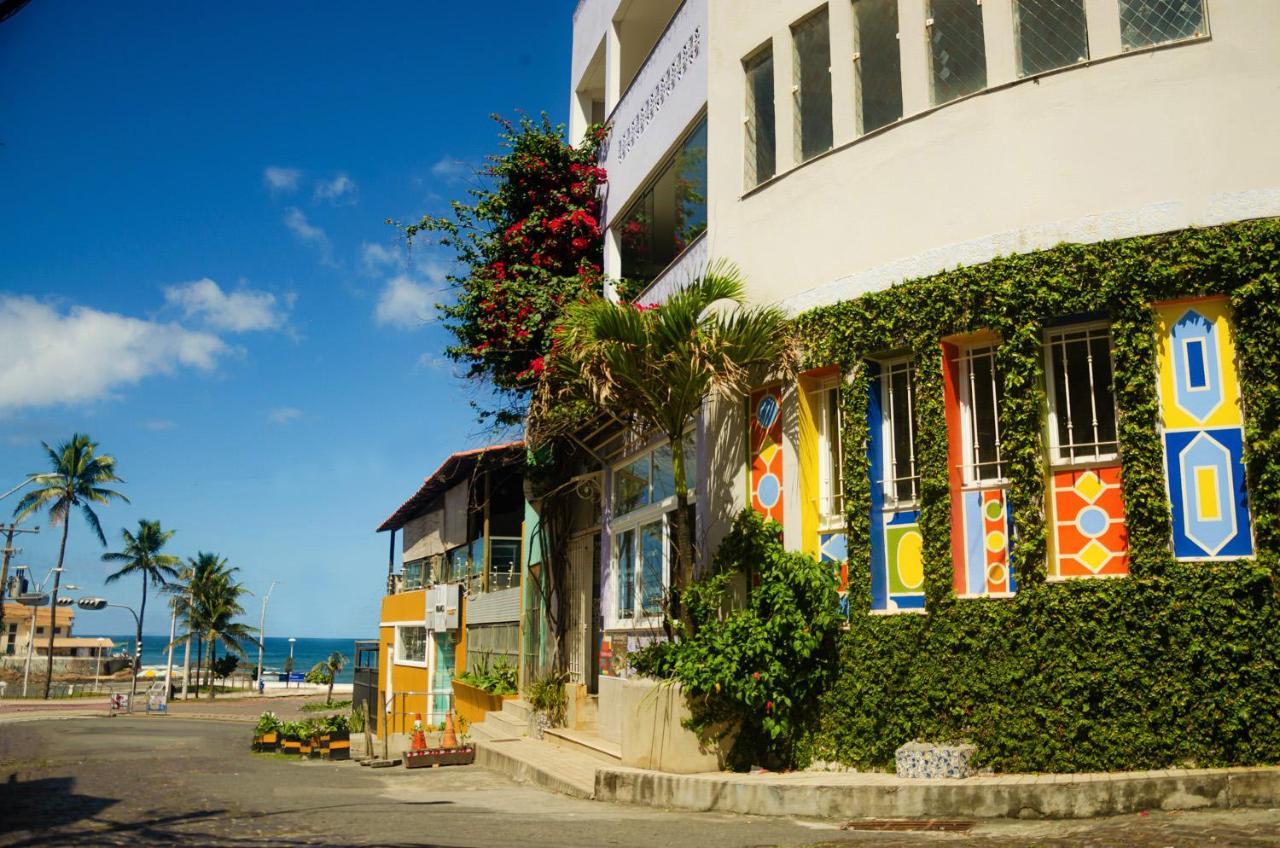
[[419, 741], [450, 739]]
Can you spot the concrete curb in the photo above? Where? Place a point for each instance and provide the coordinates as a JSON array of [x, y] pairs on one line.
[[491, 755], [1065, 796]]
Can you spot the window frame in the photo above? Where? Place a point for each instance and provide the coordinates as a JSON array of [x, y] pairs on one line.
[[399, 658], [889, 485], [798, 92], [830, 465], [1204, 32], [968, 417], [635, 521], [858, 72], [751, 118], [1057, 460], [1020, 53], [936, 98]]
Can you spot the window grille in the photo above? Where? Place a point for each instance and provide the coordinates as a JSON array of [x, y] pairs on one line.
[[958, 56], [902, 480], [877, 63], [411, 644], [1144, 23], [981, 396], [811, 39], [1050, 34], [831, 466], [761, 138], [1082, 406]]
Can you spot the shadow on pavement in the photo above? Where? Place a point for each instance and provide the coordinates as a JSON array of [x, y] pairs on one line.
[[44, 803]]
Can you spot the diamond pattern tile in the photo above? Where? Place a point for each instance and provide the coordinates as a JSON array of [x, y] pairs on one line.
[[1051, 34], [1147, 22]]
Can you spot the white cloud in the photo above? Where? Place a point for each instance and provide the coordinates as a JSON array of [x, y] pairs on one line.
[[429, 361], [281, 180], [308, 233], [283, 414], [336, 188], [405, 304], [159, 424], [379, 257], [54, 357], [451, 168], [237, 312]]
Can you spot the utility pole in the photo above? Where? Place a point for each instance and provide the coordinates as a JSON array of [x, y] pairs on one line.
[[9, 531]]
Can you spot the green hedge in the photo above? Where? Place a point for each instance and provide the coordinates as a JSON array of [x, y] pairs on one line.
[[1176, 663]]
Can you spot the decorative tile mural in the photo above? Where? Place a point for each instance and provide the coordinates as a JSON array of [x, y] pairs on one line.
[[1089, 533], [834, 548], [987, 529], [1203, 430], [766, 452]]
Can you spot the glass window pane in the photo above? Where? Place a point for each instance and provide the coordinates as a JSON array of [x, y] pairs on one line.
[[985, 390], [812, 67], [651, 568], [761, 139], [504, 564], [901, 403], [833, 488], [1104, 393], [879, 65], [626, 573], [957, 53], [664, 479], [457, 564], [631, 486], [669, 215], [1050, 34], [1147, 22]]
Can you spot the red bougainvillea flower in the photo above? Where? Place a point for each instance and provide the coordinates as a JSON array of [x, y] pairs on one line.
[[538, 365], [755, 675], [580, 243], [768, 705]]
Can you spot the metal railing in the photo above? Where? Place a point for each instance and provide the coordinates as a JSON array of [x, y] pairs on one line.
[[397, 717]]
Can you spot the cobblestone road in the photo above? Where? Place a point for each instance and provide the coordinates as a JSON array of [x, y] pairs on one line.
[[171, 781]]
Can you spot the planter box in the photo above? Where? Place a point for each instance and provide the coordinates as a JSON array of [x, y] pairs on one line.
[[336, 746], [472, 702], [433, 757], [291, 746], [267, 742]]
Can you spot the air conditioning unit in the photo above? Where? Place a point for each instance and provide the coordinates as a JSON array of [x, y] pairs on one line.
[[444, 602]]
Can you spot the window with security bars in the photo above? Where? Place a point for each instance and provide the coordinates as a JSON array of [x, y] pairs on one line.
[[981, 395], [1050, 34], [1082, 401], [761, 134], [898, 384], [811, 39], [1144, 23], [957, 54], [830, 457], [411, 643], [877, 63]]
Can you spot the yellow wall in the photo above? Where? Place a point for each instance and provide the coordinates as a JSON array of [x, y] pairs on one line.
[[405, 607]]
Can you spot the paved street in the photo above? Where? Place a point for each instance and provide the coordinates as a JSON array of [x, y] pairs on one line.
[[165, 781]]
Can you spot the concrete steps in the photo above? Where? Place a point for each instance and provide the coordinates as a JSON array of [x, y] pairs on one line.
[[540, 764], [584, 742]]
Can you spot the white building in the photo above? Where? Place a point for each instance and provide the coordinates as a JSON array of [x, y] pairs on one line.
[[831, 149]]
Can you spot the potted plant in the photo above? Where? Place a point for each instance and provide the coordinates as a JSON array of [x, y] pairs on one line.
[[336, 738], [266, 735], [291, 736], [461, 753]]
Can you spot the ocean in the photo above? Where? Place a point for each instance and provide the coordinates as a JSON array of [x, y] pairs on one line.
[[306, 653]]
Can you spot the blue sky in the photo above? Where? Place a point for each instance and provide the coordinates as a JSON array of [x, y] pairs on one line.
[[195, 270]]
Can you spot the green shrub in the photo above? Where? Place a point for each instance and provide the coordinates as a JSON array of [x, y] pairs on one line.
[[755, 675], [546, 695], [268, 722], [496, 679]]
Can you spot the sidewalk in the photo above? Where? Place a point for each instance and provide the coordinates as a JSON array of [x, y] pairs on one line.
[[573, 770]]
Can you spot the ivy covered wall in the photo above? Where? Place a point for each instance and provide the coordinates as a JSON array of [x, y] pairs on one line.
[[1177, 663]]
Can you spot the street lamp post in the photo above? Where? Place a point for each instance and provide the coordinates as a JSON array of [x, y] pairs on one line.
[[289, 671], [101, 603], [262, 629]]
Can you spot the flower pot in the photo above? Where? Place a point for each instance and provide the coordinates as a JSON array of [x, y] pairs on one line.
[[339, 745], [266, 742], [291, 746]]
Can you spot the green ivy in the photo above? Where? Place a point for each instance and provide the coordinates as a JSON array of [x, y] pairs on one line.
[[1175, 663]]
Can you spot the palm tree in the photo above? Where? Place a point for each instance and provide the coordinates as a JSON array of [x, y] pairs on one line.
[[207, 600], [77, 479], [329, 669], [142, 556], [658, 363]]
